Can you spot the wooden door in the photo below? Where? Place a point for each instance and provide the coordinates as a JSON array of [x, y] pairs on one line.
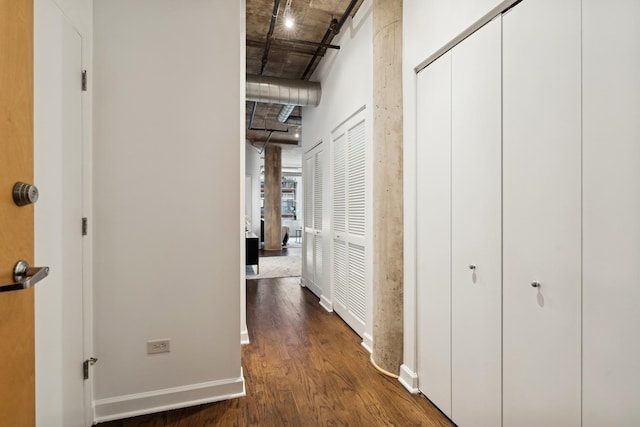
[[542, 214], [611, 209], [17, 370], [433, 251], [476, 229]]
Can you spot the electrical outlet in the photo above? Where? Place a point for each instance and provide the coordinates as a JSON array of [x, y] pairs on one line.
[[158, 346]]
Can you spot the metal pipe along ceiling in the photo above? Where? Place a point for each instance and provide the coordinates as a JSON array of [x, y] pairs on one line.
[[273, 90]]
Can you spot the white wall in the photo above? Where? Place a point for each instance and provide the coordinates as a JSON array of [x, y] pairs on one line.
[[346, 76], [169, 219], [427, 26], [54, 404]]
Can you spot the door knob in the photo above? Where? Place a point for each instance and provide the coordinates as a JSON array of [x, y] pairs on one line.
[[535, 284], [25, 276], [24, 194]]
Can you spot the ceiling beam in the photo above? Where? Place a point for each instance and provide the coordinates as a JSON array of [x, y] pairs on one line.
[[278, 45]]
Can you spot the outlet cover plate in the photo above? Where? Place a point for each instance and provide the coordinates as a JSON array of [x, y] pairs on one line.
[[158, 346]]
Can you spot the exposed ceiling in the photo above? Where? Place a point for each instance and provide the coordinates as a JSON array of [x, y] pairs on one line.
[[291, 53]]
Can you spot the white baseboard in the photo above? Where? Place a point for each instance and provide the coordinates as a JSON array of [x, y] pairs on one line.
[[244, 336], [326, 303], [116, 408], [313, 288], [408, 379], [367, 342]]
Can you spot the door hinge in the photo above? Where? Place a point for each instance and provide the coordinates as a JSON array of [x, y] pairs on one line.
[[85, 367], [84, 80], [85, 226]]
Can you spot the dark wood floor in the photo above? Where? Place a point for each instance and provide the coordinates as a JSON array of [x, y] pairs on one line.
[[290, 250], [304, 367]]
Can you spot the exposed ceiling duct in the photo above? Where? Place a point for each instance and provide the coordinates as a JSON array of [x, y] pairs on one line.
[[285, 112], [299, 52], [294, 121], [273, 90]]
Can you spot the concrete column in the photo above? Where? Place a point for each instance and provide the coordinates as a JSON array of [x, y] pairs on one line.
[[387, 185], [272, 196]]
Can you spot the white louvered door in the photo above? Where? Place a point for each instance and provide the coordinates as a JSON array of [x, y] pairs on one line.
[[340, 263], [349, 224], [313, 217]]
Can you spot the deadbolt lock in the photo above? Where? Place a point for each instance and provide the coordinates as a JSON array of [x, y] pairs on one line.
[[24, 194]]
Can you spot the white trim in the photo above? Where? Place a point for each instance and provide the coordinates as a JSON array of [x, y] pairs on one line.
[[344, 122], [326, 303], [488, 17], [244, 336], [367, 342], [313, 147], [302, 283], [115, 408], [410, 225], [408, 379]]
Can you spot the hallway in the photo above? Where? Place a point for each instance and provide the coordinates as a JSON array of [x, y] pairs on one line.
[[304, 367]]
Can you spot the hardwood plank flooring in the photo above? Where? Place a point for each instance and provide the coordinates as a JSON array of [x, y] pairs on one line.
[[304, 367], [286, 251]]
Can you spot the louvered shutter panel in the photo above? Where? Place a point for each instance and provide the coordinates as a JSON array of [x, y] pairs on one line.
[[357, 295], [318, 260], [340, 272], [317, 192], [340, 185], [308, 193], [356, 179], [309, 243]]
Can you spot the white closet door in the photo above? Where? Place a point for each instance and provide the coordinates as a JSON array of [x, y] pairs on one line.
[[434, 232], [313, 221], [318, 214], [340, 261], [476, 293], [611, 170], [349, 182], [308, 238], [542, 214]]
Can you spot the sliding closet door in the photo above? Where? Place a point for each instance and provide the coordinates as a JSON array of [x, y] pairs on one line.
[[542, 214], [611, 165], [434, 232], [476, 290]]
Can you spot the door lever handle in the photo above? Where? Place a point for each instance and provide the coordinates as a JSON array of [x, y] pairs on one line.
[[25, 276]]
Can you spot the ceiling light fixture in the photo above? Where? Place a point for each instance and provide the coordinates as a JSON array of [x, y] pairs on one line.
[[288, 19], [297, 135], [288, 22]]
